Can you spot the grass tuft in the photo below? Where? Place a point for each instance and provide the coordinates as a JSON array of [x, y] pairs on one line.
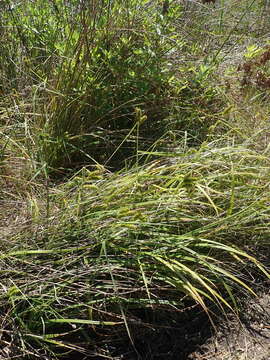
[[134, 171]]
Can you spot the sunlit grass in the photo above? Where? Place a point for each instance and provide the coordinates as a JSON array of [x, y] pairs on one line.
[[134, 170], [112, 242]]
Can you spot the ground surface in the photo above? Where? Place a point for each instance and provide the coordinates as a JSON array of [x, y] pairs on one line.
[[245, 340]]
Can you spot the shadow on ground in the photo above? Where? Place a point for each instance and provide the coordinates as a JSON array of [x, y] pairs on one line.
[[189, 335], [160, 335]]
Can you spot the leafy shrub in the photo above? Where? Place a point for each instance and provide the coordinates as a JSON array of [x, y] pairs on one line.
[[113, 62]]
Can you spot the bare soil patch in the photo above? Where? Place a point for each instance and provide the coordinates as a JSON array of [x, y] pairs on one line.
[[246, 338]]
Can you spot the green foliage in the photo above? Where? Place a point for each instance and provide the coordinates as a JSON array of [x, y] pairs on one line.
[[118, 240], [111, 64], [90, 67], [93, 86]]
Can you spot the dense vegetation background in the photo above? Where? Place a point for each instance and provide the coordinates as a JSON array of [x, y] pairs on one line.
[[134, 172]]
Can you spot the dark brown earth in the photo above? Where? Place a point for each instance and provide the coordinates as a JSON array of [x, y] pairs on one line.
[[244, 338], [192, 337]]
